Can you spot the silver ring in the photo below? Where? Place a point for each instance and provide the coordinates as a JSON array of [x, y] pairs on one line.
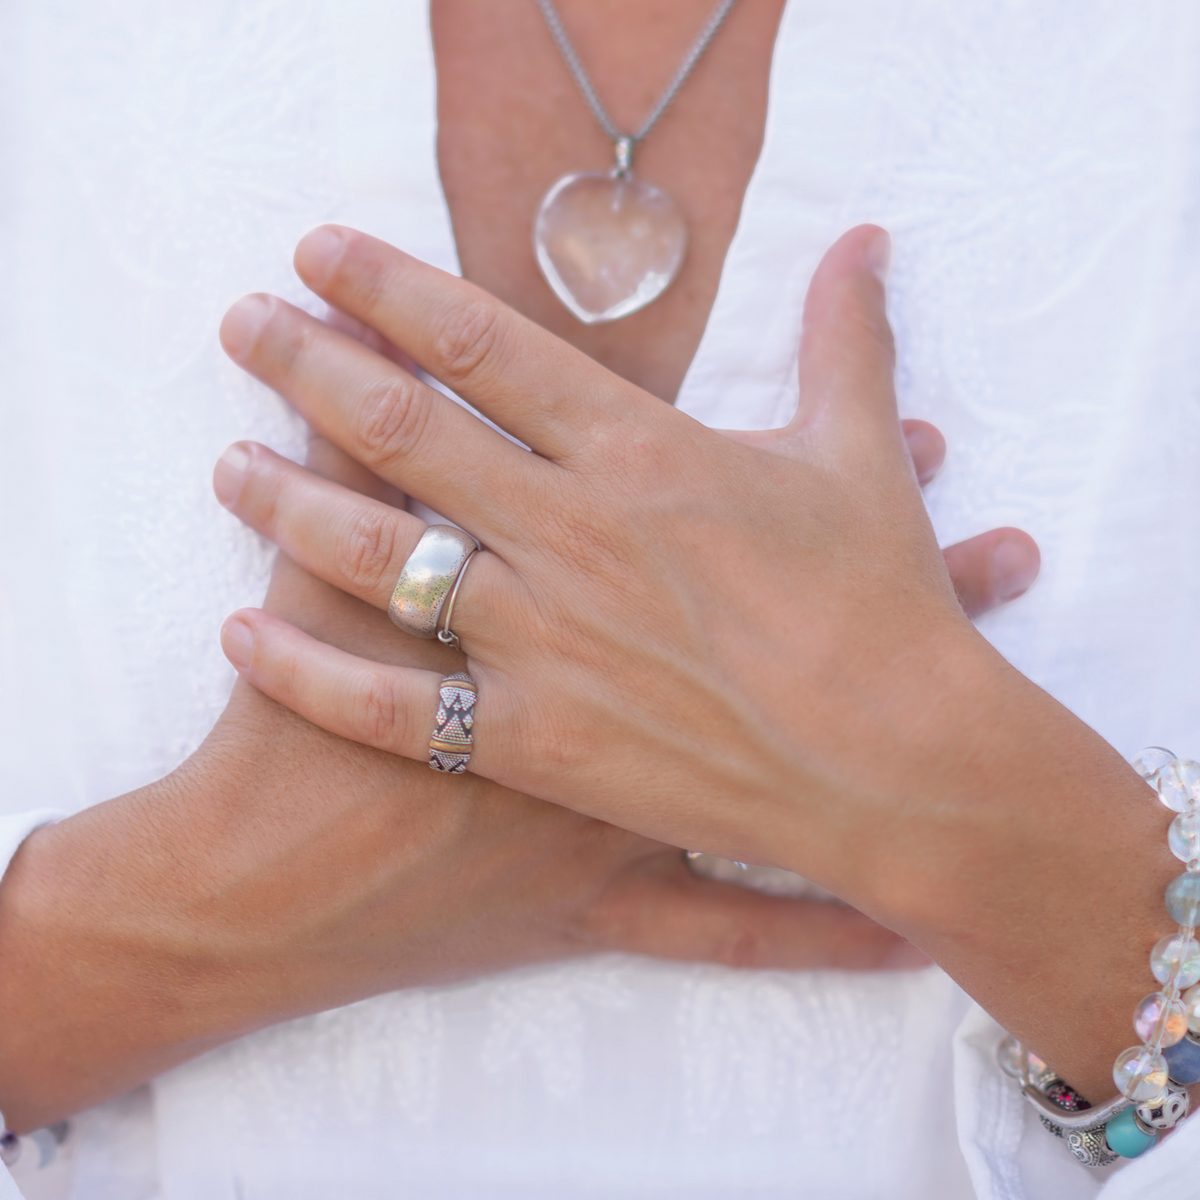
[[453, 735], [430, 572], [445, 635]]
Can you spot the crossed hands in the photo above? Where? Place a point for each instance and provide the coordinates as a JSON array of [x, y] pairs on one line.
[[693, 635], [747, 644]]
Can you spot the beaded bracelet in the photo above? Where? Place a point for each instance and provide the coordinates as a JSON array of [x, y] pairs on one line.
[[1152, 1078]]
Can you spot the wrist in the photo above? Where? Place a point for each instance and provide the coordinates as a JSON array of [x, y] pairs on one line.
[[1032, 869], [107, 912]]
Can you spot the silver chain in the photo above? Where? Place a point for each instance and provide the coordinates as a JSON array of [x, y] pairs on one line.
[[625, 142]]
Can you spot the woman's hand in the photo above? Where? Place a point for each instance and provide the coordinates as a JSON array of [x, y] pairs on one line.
[[749, 645], [697, 636], [282, 870]]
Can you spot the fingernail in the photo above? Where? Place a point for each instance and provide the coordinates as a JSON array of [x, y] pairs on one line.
[[242, 325], [229, 473], [237, 640], [904, 956], [878, 255], [1014, 568], [319, 252]]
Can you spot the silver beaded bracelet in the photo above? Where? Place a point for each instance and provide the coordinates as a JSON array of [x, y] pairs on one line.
[[1152, 1078]]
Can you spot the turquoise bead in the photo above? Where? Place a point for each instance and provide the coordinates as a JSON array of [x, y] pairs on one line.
[[1125, 1138]]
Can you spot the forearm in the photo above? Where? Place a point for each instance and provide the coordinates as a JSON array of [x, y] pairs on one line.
[[1032, 868], [103, 985], [150, 928], [276, 873]]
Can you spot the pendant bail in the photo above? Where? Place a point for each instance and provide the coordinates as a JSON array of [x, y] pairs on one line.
[[624, 149]]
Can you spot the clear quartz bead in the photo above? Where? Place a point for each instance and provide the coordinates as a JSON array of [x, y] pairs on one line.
[[1191, 1007], [1014, 1060], [1183, 899], [1010, 1057], [1160, 1020], [1140, 1074], [1184, 836], [1176, 959], [1178, 784], [1147, 763]]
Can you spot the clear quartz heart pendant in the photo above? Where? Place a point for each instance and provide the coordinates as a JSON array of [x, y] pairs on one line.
[[608, 243]]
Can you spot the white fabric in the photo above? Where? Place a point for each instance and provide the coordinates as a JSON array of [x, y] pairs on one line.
[[1038, 162], [16, 827]]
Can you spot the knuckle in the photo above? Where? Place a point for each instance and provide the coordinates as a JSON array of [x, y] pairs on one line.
[[740, 947], [394, 415], [366, 552], [874, 330], [472, 336]]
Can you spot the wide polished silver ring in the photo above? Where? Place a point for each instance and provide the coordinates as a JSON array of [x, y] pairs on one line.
[[427, 578], [453, 735]]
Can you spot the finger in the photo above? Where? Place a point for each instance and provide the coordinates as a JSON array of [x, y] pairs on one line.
[[371, 338], [328, 612], [403, 430], [926, 445], [926, 448], [331, 462], [846, 352], [671, 913], [993, 568], [508, 367], [390, 708], [349, 540], [352, 541]]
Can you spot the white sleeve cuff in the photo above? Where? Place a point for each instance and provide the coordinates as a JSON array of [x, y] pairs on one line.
[[14, 830], [1011, 1157]]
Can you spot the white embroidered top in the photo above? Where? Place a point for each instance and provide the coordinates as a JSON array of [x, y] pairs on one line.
[[1039, 166]]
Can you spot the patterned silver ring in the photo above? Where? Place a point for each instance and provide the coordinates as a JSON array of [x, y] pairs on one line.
[[429, 573], [453, 735]]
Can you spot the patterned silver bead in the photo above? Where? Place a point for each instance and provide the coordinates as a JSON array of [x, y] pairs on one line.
[[1057, 1130], [1043, 1079], [1090, 1148], [1167, 1114]]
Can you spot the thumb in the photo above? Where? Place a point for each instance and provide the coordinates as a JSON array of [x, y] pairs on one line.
[[846, 351], [664, 910]]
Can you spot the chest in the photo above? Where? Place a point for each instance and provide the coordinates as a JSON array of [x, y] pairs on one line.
[[511, 121]]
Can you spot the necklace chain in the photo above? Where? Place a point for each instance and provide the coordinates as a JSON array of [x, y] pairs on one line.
[[624, 142]]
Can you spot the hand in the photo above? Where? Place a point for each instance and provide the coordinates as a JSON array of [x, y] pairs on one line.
[[748, 646], [987, 570], [590, 619], [282, 870]]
